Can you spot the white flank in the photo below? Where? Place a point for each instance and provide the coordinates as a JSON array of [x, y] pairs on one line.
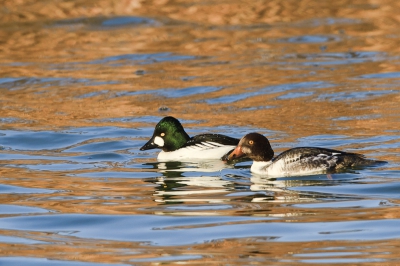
[[205, 150], [159, 141], [282, 168]]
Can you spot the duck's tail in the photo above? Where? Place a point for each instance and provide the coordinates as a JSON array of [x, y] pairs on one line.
[[358, 160]]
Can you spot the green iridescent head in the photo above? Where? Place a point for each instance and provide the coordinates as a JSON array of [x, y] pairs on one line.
[[169, 135]]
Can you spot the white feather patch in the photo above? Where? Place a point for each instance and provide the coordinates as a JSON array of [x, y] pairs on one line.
[[196, 152], [217, 144], [159, 141]]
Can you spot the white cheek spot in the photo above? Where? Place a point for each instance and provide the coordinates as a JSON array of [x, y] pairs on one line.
[[246, 150], [159, 141]]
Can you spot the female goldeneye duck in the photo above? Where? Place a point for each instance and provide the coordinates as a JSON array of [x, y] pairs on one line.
[[176, 144], [296, 161]]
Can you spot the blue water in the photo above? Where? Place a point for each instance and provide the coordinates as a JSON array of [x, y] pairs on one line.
[[81, 90], [195, 202]]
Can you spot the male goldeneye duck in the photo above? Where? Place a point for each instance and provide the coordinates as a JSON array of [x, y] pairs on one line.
[[176, 144], [296, 161]]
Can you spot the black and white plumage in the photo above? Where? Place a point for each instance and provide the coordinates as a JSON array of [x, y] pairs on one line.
[[295, 162], [176, 145], [204, 146]]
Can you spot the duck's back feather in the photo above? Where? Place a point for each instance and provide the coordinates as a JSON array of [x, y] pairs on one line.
[[322, 158], [222, 140]]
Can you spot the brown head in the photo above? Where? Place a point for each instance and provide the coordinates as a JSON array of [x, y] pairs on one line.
[[255, 146]]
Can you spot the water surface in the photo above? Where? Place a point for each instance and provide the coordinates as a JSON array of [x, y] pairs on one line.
[[82, 85]]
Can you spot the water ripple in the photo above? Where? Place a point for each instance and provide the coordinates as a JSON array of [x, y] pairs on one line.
[[269, 90]]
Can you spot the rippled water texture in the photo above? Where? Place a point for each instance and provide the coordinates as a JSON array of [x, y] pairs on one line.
[[83, 83]]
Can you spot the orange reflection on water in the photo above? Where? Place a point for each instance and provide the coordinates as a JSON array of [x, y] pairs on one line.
[[294, 69]]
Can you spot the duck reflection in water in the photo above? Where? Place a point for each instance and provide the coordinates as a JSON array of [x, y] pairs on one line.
[[180, 185]]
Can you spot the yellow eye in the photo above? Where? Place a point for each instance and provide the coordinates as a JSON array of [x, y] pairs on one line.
[[251, 142], [162, 134]]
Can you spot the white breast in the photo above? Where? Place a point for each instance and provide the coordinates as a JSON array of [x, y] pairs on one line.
[[205, 150]]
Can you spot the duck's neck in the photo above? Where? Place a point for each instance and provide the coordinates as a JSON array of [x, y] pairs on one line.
[[260, 166], [176, 141]]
